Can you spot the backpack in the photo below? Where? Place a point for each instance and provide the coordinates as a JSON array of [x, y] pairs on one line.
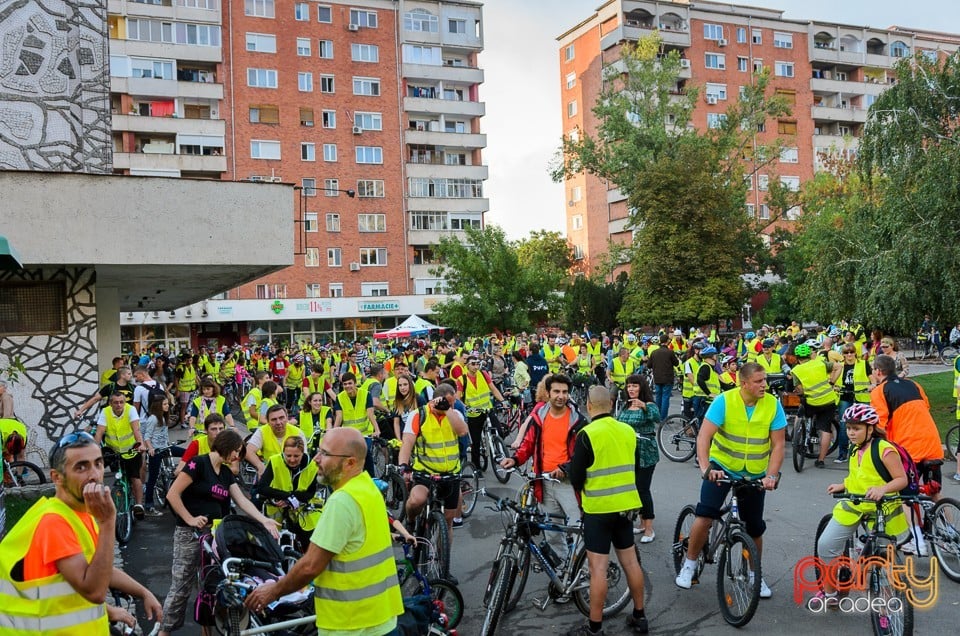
[[909, 467], [154, 392]]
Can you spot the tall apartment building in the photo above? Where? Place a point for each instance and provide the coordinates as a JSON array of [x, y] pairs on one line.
[[830, 73]]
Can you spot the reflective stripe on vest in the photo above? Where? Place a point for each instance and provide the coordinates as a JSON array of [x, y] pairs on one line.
[[119, 433], [611, 480], [713, 383], [355, 413], [476, 394], [813, 376], [360, 589], [687, 384], [389, 394], [437, 449], [741, 444]]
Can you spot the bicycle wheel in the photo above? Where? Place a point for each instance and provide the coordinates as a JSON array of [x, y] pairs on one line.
[[380, 460], [681, 540], [164, 481], [483, 455], [812, 448], [123, 528], [523, 573], [497, 451], [800, 444], [950, 440], [891, 612], [469, 488], [437, 535], [677, 438], [618, 592], [396, 495], [26, 474], [445, 591], [945, 536], [506, 572], [738, 578]]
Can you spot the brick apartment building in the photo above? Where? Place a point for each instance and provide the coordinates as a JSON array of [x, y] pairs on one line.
[[830, 73]]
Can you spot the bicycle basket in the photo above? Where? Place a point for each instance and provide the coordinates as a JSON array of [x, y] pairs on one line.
[[790, 400]]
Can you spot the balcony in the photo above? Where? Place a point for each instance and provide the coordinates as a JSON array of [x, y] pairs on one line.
[[434, 204], [190, 52], [827, 113], [168, 125], [444, 107], [614, 195], [839, 142], [169, 162], [444, 171], [847, 87], [427, 237], [447, 139], [149, 87], [822, 52], [423, 271], [166, 11], [443, 73], [631, 30]]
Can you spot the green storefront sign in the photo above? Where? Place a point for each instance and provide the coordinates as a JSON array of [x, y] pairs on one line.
[[388, 305]]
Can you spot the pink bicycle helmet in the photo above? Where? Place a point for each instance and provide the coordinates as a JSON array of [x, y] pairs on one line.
[[862, 414]]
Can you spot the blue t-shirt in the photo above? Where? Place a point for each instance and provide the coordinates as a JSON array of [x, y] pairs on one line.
[[717, 413]]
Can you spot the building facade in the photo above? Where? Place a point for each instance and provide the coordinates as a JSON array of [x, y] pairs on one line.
[[829, 73]]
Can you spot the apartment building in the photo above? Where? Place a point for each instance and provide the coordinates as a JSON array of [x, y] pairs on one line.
[[830, 73], [166, 88]]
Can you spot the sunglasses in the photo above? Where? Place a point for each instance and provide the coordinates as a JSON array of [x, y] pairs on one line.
[[80, 437]]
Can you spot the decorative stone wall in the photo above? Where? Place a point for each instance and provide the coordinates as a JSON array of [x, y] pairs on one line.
[[55, 86], [61, 370]]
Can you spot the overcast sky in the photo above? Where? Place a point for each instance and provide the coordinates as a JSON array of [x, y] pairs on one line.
[[522, 89]]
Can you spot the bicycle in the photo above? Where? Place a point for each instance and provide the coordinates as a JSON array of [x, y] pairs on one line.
[[414, 583], [806, 439], [732, 549], [677, 437], [165, 476], [432, 524], [396, 493], [469, 488], [512, 414], [21, 473], [125, 602], [950, 441], [492, 450], [122, 494], [939, 523], [877, 548]]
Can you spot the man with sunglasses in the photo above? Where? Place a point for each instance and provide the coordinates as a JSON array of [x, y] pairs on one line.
[[57, 542]]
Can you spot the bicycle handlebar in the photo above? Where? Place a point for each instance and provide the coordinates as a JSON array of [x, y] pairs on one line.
[[230, 562], [862, 498]]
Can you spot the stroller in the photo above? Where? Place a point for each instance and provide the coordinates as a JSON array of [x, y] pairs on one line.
[[236, 558]]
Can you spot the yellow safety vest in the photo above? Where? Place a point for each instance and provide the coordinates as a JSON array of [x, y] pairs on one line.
[[119, 433], [611, 480], [421, 385], [585, 365], [306, 422], [188, 382], [552, 352], [48, 606], [742, 444], [294, 379], [202, 411], [252, 422], [620, 371], [752, 350], [477, 396], [713, 383], [596, 352], [773, 365], [282, 480], [437, 449], [360, 589], [861, 382], [203, 444], [228, 370], [688, 386], [9, 425], [273, 446], [355, 413], [389, 394], [862, 476], [815, 380], [313, 386]]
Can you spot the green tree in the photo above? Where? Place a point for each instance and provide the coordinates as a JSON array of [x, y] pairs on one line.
[[546, 249], [489, 287], [595, 302]]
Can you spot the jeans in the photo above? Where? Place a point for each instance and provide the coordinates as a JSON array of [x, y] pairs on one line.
[[559, 499], [662, 398], [843, 442], [153, 471], [700, 405]]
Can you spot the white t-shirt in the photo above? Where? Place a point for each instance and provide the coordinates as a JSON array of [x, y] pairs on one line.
[[141, 395], [130, 411]]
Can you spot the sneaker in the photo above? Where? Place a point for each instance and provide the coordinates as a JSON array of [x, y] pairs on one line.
[[956, 477], [819, 464], [583, 630], [458, 522], [138, 512], [153, 512], [840, 460], [685, 578], [638, 625], [648, 538], [910, 547]]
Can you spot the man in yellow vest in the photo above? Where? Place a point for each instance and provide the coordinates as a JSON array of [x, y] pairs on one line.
[[742, 436], [353, 408], [268, 440], [293, 383], [478, 387], [186, 377], [812, 379], [604, 470], [691, 367], [769, 360], [707, 386], [553, 353], [56, 566], [622, 366], [350, 557], [119, 428]]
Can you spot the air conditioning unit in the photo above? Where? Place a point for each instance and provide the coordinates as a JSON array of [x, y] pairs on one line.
[[357, 130], [722, 42], [354, 267], [274, 180], [711, 100], [353, 27], [684, 63]]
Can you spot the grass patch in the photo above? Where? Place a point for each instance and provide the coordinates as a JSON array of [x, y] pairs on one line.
[[943, 406]]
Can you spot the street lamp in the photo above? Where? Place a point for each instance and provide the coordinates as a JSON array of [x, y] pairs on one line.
[[302, 221]]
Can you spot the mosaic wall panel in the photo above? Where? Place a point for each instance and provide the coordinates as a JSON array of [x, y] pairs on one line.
[[61, 370], [55, 86]]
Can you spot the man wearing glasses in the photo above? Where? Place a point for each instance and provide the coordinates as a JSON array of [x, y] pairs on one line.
[[57, 542]]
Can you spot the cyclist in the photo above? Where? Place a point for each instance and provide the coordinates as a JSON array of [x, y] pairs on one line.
[[728, 378], [209, 401], [154, 429], [119, 428], [290, 480], [742, 435], [707, 386], [268, 440], [186, 378], [623, 366], [552, 353], [691, 368], [293, 383], [770, 361], [201, 444], [478, 387], [315, 419], [251, 401], [852, 382], [861, 422], [122, 385], [812, 379], [354, 409]]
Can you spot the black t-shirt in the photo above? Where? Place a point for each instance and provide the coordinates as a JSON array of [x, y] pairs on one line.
[[109, 389], [209, 493]]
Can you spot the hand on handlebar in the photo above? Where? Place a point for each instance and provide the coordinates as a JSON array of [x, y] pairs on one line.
[[712, 474], [507, 462]]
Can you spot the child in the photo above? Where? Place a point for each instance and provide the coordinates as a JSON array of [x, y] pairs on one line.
[[864, 479]]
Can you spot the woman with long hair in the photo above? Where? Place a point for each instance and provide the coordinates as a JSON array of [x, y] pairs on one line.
[[405, 404], [642, 415], [154, 429]]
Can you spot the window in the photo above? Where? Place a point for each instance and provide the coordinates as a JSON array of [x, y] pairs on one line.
[[303, 47], [717, 91], [33, 307], [370, 188], [324, 14], [571, 80], [743, 64], [156, 69], [786, 127], [763, 182], [306, 117], [930, 55], [261, 78], [258, 8], [279, 291], [305, 82], [789, 96], [715, 60], [461, 221], [576, 194], [333, 222], [790, 183], [789, 155], [421, 20], [572, 108], [371, 222], [334, 258], [420, 54], [310, 223], [301, 11], [368, 121], [373, 256], [366, 86], [899, 49], [712, 31], [363, 18], [261, 43], [578, 252], [783, 69], [311, 257], [758, 66], [457, 25], [715, 120], [331, 187], [756, 36], [374, 289], [336, 290], [429, 221], [748, 179], [445, 188], [264, 114], [329, 152], [741, 35], [264, 149], [309, 187], [764, 211], [568, 53], [313, 290], [751, 210], [369, 154], [308, 152], [577, 222], [325, 49], [263, 292], [326, 84], [782, 40], [365, 52], [328, 118]]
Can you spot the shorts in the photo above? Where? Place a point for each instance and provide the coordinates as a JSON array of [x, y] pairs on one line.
[[132, 465], [750, 502], [185, 396], [600, 530], [448, 490], [823, 415]]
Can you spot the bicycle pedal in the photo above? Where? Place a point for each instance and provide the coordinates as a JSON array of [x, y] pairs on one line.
[[541, 604]]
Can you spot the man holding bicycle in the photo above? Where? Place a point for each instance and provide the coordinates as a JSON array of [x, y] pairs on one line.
[[119, 428], [742, 435]]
